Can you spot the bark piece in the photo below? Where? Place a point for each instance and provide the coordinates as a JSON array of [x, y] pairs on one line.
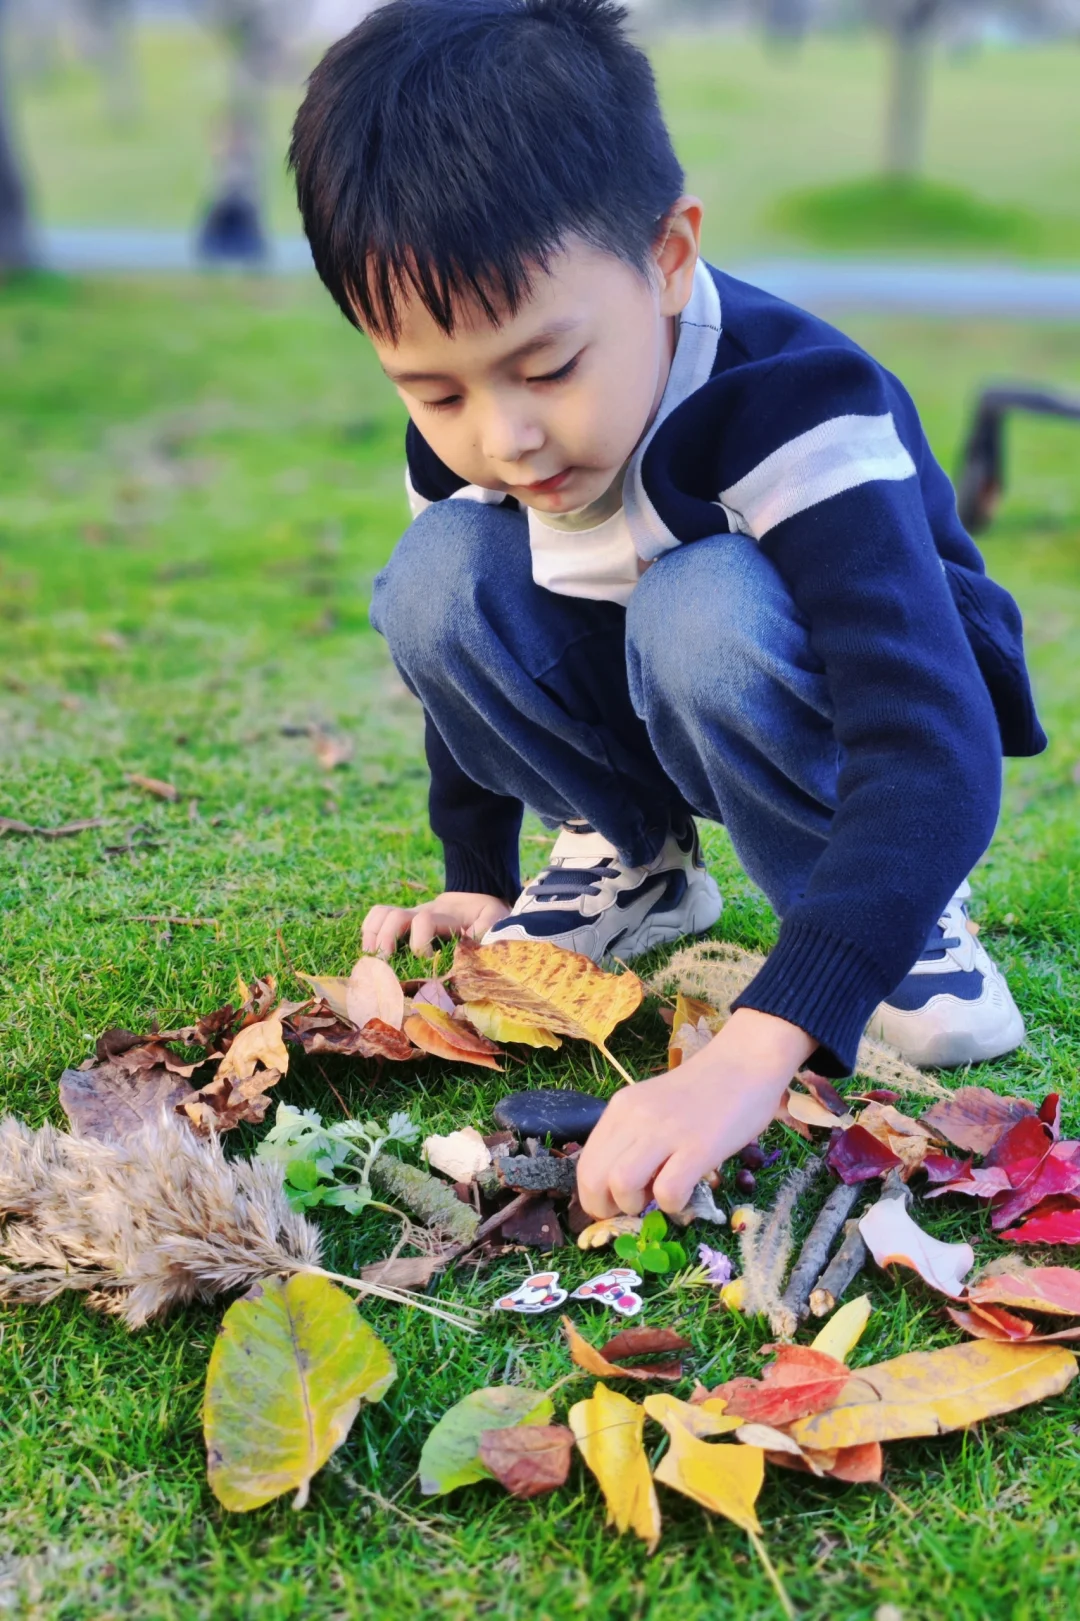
[[814, 1256], [841, 1271], [542, 1175], [425, 1196]]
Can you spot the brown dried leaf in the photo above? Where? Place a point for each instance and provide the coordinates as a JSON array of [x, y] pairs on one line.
[[973, 1118], [438, 1033], [114, 1099], [528, 1459], [631, 1342], [404, 1271], [383, 1041], [374, 992], [220, 1105]]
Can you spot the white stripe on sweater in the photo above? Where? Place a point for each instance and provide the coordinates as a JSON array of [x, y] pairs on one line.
[[835, 456]]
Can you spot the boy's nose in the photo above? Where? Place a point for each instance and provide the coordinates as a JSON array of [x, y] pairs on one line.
[[507, 439]]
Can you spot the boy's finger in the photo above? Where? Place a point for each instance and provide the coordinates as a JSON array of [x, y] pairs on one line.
[[631, 1180], [676, 1181], [426, 926], [593, 1192], [369, 933], [393, 927]]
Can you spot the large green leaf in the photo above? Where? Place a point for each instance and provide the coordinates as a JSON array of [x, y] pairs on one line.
[[288, 1372], [451, 1455]]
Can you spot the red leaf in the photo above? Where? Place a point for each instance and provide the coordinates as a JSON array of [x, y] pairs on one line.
[[992, 1323], [1020, 1148], [980, 1184], [974, 1117], [1051, 1289], [879, 1094], [1050, 1113], [857, 1156], [1055, 1175], [942, 1168], [800, 1381], [528, 1458], [824, 1091], [1055, 1221]]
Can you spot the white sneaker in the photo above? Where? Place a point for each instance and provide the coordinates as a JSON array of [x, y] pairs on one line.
[[954, 1007], [586, 900]]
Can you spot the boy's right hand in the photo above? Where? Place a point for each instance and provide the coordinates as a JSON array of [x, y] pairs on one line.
[[447, 916]]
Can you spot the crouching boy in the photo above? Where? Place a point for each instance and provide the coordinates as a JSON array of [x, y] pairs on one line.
[[679, 550]]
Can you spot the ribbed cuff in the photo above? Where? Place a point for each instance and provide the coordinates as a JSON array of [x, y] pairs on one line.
[[485, 871], [826, 986]]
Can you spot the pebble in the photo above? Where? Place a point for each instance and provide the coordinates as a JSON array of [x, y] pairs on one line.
[[564, 1116]]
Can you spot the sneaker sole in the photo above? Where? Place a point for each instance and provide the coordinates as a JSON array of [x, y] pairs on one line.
[[936, 1046]]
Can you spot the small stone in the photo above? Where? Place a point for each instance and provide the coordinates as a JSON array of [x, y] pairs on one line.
[[564, 1116], [745, 1181]]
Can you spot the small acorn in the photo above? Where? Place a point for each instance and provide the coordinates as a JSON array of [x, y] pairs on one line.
[[753, 1156], [745, 1181]]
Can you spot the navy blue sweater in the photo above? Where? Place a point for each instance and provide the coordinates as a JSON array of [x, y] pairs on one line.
[[801, 440]]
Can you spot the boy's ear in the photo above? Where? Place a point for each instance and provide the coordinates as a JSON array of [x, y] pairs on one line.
[[676, 254]]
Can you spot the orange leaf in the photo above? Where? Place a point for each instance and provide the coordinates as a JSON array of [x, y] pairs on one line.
[[799, 1381], [438, 1033], [632, 1342]]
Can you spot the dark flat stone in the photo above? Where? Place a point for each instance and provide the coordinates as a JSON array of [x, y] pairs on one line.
[[564, 1116]]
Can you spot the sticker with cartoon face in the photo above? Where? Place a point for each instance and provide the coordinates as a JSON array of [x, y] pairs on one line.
[[615, 1289], [539, 1293]]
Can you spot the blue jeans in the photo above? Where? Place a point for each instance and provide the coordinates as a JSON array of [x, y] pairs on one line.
[[703, 694]]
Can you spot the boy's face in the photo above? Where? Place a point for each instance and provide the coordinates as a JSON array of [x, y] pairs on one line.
[[548, 405]]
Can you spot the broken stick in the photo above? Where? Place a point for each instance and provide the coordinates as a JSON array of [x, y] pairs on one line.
[[813, 1258], [841, 1271]]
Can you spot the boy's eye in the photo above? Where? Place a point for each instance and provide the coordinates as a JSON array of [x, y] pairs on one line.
[[557, 376], [441, 405]]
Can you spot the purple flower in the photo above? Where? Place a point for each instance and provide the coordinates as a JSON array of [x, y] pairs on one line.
[[716, 1264]]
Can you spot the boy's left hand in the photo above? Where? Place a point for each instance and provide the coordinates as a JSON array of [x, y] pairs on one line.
[[657, 1139]]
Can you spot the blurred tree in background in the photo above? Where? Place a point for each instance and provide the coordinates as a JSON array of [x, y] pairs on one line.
[[111, 42], [16, 247]]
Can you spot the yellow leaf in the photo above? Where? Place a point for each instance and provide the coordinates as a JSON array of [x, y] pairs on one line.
[[289, 1369], [700, 1418], [491, 1021], [544, 985], [374, 992], [724, 1479], [844, 1329], [331, 989], [600, 1233], [933, 1392], [805, 1108], [258, 1043], [693, 1026], [608, 1429]]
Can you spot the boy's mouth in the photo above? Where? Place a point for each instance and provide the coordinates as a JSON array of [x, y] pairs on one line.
[[548, 486]]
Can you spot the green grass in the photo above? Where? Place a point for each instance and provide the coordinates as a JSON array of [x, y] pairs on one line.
[[895, 212], [750, 124], [197, 483]]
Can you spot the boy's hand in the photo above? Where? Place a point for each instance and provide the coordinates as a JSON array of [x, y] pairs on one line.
[[447, 916], [657, 1139]]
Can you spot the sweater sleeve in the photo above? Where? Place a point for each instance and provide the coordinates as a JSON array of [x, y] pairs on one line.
[[828, 484], [479, 830]]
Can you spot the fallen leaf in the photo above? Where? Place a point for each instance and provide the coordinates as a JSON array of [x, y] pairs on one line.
[[632, 1342], [558, 990], [436, 1032], [1055, 1221], [1056, 1173], [491, 1021], [323, 1033], [598, 1234], [435, 994], [383, 1041], [910, 1140], [995, 1323], [806, 1108], [858, 1156], [374, 992], [404, 1271], [1054, 1290], [824, 1091], [331, 750], [154, 786], [461, 1155], [222, 1105], [608, 1429], [798, 1381], [118, 1095], [702, 1419], [451, 1454], [724, 1479], [291, 1364], [853, 1465], [1050, 1113], [259, 1043], [893, 1237], [933, 1392], [333, 989], [977, 1182], [844, 1329], [530, 1458], [687, 1040], [1020, 1148], [973, 1118]]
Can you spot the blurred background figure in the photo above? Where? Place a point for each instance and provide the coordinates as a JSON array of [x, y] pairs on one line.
[[16, 251]]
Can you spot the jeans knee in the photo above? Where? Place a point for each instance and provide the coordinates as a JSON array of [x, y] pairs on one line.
[[711, 618], [429, 594]]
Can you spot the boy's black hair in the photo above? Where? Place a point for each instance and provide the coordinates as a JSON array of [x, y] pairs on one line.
[[450, 146]]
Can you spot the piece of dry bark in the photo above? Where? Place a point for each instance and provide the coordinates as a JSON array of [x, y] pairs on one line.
[[545, 1174], [813, 1258], [536, 1225], [841, 1271]]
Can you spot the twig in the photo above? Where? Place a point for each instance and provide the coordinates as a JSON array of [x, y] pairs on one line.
[[175, 922], [841, 1271], [614, 1062], [813, 1257]]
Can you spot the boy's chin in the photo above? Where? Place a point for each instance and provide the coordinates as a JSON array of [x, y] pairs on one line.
[[581, 489]]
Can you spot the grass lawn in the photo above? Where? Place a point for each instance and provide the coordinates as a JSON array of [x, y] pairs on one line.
[[760, 131], [197, 483]]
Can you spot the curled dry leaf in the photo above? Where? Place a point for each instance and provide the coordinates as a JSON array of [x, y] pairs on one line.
[[608, 1429], [404, 1271], [893, 1237], [461, 1155], [259, 1043], [383, 1041], [491, 1021], [809, 1111], [289, 1369], [797, 1382], [558, 990], [995, 1323], [933, 1392], [437, 1032], [529, 1459], [973, 1117], [374, 992], [858, 1156], [333, 989], [451, 1454], [693, 1025], [632, 1342], [910, 1140], [724, 1479], [599, 1234], [703, 1418]]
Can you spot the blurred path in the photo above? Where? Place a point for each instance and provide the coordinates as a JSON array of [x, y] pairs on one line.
[[953, 288]]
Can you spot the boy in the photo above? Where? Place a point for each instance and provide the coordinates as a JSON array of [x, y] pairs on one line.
[[679, 549]]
